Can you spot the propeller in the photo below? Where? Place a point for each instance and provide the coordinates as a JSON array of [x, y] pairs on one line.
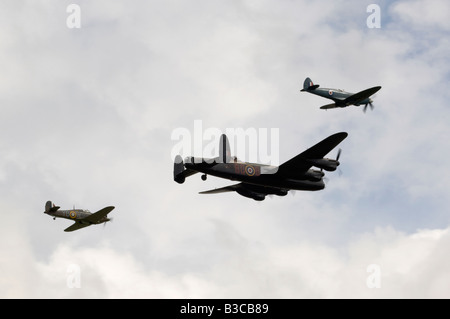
[[337, 159], [365, 107], [370, 104], [104, 224]]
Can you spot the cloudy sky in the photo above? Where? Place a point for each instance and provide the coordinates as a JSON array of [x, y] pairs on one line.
[[87, 116]]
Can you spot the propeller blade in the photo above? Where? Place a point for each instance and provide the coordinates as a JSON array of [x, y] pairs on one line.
[[338, 154], [337, 159]]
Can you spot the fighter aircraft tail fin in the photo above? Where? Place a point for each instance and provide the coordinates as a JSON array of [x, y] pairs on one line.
[[308, 85], [50, 207]]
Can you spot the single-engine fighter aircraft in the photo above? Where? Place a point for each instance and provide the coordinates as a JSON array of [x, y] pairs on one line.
[[257, 180], [340, 97], [82, 217]]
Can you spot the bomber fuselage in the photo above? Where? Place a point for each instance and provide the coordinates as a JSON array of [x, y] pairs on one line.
[[257, 174]]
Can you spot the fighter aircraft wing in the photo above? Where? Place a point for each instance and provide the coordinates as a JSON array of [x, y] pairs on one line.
[[358, 97], [97, 216], [75, 226], [299, 164], [329, 106]]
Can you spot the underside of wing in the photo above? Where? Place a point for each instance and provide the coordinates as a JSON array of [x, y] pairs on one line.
[[256, 192], [98, 216], [188, 172], [329, 106], [225, 189], [300, 164], [75, 226]]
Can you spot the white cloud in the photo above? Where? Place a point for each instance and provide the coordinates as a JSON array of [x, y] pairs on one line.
[[421, 14], [411, 266]]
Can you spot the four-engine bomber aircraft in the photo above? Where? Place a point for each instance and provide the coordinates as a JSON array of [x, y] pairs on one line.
[[82, 217], [258, 180], [340, 97]]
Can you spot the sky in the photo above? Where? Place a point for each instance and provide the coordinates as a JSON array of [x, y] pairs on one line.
[[87, 121]]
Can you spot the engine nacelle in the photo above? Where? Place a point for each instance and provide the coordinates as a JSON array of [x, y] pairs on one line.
[[325, 163], [250, 194], [281, 192], [314, 175]]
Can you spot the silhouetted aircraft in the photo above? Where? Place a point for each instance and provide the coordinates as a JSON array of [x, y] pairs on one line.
[[340, 97], [257, 180], [82, 217]]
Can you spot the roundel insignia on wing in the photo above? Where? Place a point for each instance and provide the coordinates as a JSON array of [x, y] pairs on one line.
[[250, 170], [73, 214]]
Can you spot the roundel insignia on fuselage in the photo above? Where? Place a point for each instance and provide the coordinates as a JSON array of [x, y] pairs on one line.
[[73, 214], [330, 92], [250, 170]]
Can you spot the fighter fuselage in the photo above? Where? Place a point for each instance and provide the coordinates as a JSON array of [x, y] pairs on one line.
[[73, 214], [338, 95]]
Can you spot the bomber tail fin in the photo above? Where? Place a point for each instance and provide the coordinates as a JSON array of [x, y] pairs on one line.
[[179, 171], [308, 85], [224, 150]]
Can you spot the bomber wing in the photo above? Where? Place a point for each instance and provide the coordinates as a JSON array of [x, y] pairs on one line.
[[257, 192], [299, 164], [231, 188]]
